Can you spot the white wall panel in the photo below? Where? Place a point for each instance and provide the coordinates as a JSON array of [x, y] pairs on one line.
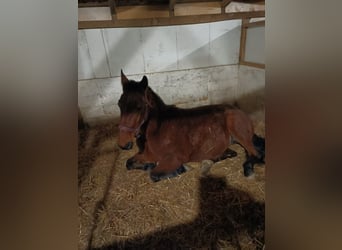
[[224, 42], [193, 46], [97, 53], [159, 48], [85, 68], [251, 80], [255, 45], [124, 50]]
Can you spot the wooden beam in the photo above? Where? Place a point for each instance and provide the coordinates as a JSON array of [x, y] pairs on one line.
[[224, 3], [201, 8], [255, 24], [243, 39], [142, 12], [245, 25], [112, 7], [195, 1], [166, 21], [253, 64], [172, 7], [93, 4]]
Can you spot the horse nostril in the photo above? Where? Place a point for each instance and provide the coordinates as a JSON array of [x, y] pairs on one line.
[[128, 146]]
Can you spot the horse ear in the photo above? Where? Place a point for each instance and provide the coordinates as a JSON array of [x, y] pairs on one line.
[[124, 79], [144, 82]]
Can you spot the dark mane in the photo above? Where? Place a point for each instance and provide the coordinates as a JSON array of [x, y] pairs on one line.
[[158, 101], [172, 112], [175, 112]]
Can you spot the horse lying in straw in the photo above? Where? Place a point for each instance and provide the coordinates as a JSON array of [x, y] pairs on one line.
[[168, 137]]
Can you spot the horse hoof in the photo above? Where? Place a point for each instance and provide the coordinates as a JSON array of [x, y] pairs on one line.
[[248, 172], [181, 170], [155, 178], [248, 169], [130, 164]]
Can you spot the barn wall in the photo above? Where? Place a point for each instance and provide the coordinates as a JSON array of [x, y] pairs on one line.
[[186, 65], [185, 88], [104, 52], [251, 91], [255, 45]]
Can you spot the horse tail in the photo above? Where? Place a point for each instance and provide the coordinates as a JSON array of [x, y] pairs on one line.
[[259, 145]]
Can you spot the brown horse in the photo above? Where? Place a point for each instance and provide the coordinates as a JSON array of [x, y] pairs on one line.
[[168, 136]]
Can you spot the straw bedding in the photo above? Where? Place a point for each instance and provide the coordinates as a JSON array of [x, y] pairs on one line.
[[120, 209]]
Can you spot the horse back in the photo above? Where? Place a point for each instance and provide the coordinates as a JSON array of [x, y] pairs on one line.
[[192, 134]]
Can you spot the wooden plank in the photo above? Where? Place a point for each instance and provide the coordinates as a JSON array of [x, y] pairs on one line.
[[93, 4], [187, 9], [172, 7], [93, 14], [112, 7], [224, 3], [166, 21], [195, 1], [245, 25], [253, 64], [255, 24], [142, 11], [243, 39]]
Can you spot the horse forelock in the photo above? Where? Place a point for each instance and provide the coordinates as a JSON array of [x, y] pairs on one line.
[[133, 86]]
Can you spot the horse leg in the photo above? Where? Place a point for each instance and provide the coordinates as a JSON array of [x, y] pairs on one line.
[[253, 156], [135, 163], [241, 129], [142, 160], [259, 144], [228, 153], [167, 169]]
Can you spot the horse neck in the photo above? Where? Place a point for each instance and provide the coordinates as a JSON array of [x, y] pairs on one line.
[[159, 105]]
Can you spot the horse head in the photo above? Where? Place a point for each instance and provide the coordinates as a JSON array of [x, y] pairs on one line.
[[134, 104]]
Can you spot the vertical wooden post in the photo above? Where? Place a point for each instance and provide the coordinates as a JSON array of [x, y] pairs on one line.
[[243, 39], [112, 6], [172, 7], [224, 3]]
